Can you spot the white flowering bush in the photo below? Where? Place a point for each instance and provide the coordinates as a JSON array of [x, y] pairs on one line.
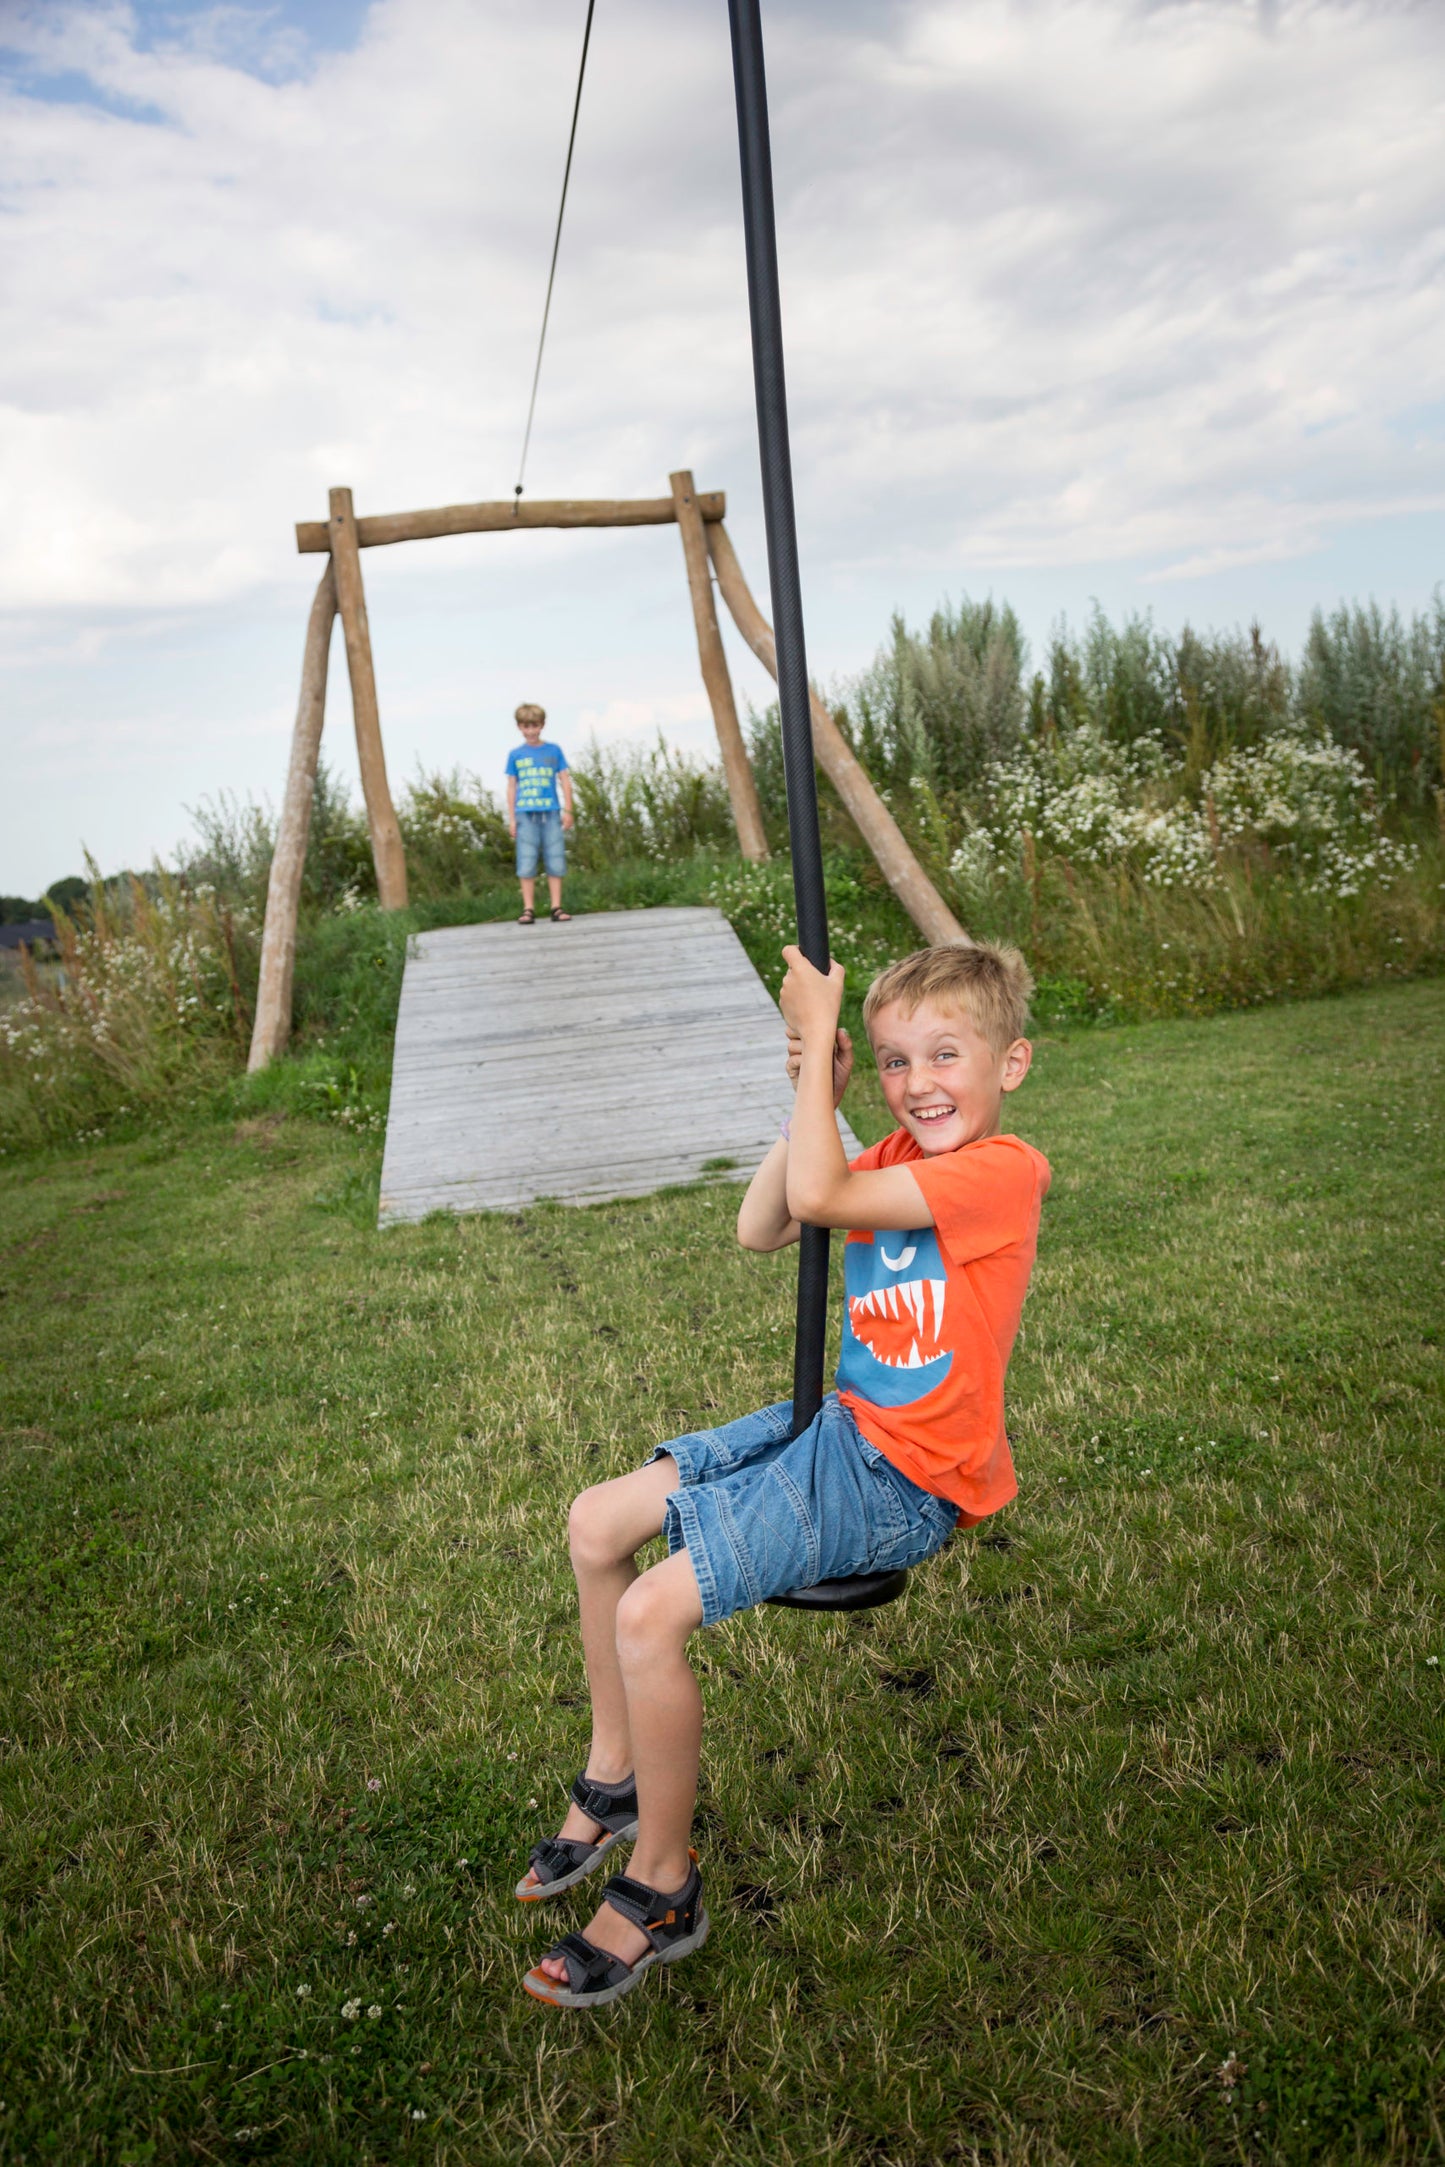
[[757, 901], [453, 832], [1300, 804], [1312, 806], [146, 1006]]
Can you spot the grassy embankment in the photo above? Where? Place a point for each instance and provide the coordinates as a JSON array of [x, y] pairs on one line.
[[1119, 1839]]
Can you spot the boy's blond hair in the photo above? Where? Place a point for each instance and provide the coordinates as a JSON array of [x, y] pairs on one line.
[[990, 984], [530, 712]]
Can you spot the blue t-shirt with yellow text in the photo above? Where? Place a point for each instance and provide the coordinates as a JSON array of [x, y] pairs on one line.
[[536, 768]]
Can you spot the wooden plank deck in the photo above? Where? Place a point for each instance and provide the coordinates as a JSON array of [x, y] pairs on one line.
[[605, 1058]]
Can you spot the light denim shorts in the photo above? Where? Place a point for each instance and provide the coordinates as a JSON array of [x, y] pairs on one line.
[[540, 836], [760, 1512]]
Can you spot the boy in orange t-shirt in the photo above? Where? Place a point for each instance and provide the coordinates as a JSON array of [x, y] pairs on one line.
[[943, 1222]]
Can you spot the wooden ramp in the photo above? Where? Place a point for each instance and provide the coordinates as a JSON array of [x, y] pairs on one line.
[[609, 1057]]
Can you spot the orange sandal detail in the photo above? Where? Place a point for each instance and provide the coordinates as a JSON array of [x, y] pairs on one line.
[[675, 1924]]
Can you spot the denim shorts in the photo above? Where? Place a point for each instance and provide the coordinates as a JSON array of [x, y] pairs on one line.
[[760, 1512], [539, 835]]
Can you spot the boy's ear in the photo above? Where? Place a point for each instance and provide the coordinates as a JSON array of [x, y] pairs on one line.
[[1016, 1063]]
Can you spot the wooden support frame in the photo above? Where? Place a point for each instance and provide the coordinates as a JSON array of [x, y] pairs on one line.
[[351, 601], [272, 1027], [313, 535], [742, 789], [700, 515], [877, 826]]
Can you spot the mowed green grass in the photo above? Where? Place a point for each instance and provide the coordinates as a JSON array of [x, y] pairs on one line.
[[1119, 1839]]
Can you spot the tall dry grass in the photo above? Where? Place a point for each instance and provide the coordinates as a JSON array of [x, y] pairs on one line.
[[146, 1007]]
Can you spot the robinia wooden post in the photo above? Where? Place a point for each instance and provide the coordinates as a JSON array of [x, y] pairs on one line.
[[742, 788], [386, 849], [283, 889], [699, 515], [877, 826]]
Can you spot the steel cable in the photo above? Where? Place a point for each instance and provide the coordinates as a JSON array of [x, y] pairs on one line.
[[556, 244]]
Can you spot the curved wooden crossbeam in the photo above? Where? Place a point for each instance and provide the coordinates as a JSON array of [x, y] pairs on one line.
[[314, 535]]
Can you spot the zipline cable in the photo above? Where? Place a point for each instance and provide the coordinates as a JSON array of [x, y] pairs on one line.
[[556, 244], [794, 710]]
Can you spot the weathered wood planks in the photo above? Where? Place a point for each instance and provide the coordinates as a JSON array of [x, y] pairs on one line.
[[610, 1057]]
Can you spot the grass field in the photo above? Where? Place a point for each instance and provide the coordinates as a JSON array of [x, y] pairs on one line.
[[1120, 1839]]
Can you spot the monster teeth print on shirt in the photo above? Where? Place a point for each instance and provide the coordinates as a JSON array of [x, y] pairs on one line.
[[893, 1348], [916, 1305]]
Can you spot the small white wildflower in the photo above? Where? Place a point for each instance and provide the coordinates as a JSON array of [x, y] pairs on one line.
[[351, 2010], [390, 1927], [373, 1783], [410, 1889], [418, 2114], [511, 1756], [375, 2010], [362, 1902], [1433, 1661], [531, 1801], [303, 1993]]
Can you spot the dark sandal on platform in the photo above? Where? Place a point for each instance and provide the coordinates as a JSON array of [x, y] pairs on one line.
[[528, 917], [561, 917], [675, 1925], [560, 1862]]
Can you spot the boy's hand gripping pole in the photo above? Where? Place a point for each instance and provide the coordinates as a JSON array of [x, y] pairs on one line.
[[793, 706]]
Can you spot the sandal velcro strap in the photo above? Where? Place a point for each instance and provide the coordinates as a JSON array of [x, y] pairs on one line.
[[588, 1967], [555, 1856], [606, 1804], [662, 1917]]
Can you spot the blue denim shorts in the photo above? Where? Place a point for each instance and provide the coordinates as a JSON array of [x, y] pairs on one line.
[[759, 1513], [540, 836]]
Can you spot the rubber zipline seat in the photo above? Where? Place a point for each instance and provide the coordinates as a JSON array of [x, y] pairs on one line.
[[865, 1591]]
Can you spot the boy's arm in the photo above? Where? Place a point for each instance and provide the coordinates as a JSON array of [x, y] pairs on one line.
[[764, 1221], [564, 784], [822, 1189], [512, 803]]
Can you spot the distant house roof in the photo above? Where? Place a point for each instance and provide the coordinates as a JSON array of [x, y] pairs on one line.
[[29, 930]]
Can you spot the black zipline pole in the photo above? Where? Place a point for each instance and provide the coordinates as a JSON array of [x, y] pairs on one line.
[[797, 725]]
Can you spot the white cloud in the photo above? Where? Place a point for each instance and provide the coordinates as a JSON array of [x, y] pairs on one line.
[[1066, 279], [1067, 283]]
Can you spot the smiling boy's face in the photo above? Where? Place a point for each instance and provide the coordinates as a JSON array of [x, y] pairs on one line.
[[531, 730], [943, 1080]]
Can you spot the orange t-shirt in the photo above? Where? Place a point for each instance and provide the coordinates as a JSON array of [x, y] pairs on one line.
[[930, 1317]]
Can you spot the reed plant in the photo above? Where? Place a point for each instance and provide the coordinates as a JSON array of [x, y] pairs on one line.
[[1107, 946], [146, 1010]]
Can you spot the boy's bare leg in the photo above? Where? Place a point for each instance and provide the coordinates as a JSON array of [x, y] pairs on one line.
[[655, 1619], [554, 889], [607, 1527], [529, 892]]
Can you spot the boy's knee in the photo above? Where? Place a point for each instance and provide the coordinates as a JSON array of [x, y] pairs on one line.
[[655, 1611], [590, 1534]]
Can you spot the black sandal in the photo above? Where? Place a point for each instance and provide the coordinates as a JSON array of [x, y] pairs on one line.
[[561, 917], [675, 1925], [528, 917], [560, 1862]]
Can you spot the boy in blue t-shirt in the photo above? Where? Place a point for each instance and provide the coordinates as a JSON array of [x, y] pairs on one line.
[[535, 815]]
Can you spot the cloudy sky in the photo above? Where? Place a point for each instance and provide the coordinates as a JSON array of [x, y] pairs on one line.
[[1141, 300]]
